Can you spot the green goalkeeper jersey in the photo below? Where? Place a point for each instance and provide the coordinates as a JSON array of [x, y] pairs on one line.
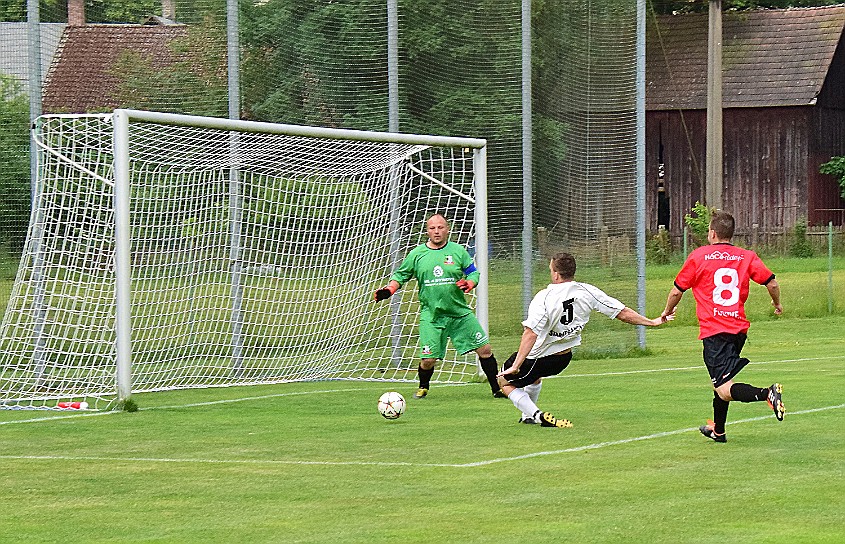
[[436, 271]]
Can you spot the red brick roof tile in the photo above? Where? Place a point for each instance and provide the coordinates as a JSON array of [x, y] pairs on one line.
[[83, 75]]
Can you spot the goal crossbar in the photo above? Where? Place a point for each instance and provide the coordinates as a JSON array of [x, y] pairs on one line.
[[220, 123]]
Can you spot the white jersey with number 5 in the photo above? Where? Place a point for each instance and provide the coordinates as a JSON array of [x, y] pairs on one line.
[[560, 312]]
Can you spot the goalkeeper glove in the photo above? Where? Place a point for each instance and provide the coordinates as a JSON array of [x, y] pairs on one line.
[[465, 285], [383, 293]]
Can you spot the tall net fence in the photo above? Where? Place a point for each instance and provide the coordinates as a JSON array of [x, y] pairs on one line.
[[326, 63], [125, 53], [585, 148]]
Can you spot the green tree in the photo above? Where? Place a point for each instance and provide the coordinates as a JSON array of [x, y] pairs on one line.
[[113, 11], [298, 68], [460, 74], [13, 10], [836, 167], [698, 221], [14, 163], [195, 84], [124, 11], [801, 246]]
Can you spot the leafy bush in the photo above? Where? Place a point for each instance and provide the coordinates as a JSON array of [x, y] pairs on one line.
[[14, 164], [699, 222], [836, 167], [801, 246], [658, 248]]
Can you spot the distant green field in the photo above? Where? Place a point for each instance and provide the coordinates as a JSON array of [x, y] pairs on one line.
[[805, 294], [804, 289], [315, 463]]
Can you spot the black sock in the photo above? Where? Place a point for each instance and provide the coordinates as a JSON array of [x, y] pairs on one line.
[[490, 368], [748, 393], [425, 377], [720, 413]]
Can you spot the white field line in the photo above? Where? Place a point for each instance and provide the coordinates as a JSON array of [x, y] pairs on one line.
[[271, 462], [91, 413], [258, 397], [346, 390], [634, 439], [191, 405], [378, 463]]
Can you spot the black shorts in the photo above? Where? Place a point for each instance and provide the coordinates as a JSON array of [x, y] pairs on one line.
[[721, 355], [534, 369]]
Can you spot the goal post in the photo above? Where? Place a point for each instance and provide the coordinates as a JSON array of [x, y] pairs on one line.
[[173, 251]]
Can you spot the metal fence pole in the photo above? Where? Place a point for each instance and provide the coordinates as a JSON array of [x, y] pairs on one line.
[[392, 66], [830, 267], [33, 27], [235, 190], [527, 150], [640, 152]]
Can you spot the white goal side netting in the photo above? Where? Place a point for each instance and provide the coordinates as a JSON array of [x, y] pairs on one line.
[[253, 257]]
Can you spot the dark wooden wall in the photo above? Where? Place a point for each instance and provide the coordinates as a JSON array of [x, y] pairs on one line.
[[765, 166], [827, 140], [681, 137], [771, 161]]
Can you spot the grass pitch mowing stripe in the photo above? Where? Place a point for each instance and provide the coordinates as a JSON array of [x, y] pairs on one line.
[[481, 463], [772, 482]]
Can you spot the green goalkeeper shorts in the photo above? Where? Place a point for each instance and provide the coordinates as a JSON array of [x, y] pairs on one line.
[[466, 334]]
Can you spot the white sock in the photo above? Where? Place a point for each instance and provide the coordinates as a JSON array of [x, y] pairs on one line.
[[523, 402], [533, 391]]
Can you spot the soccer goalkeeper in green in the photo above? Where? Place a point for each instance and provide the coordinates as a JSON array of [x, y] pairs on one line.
[[444, 272]]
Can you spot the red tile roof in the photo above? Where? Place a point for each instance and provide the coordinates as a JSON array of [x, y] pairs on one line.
[[769, 57], [83, 76]]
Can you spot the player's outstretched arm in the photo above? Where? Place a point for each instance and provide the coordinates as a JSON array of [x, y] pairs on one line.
[[386, 291], [630, 316], [672, 301], [774, 292]]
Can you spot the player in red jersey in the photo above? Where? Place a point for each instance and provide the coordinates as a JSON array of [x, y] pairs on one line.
[[719, 275]]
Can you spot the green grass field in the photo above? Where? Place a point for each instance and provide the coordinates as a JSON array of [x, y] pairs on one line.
[[314, 462]]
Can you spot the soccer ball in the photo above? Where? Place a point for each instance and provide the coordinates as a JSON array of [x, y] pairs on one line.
[[391, 405]]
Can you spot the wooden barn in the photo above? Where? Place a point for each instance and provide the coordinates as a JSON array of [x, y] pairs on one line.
[[783, 116]]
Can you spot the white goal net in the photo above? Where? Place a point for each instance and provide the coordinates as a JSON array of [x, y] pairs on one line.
[[170, 252]]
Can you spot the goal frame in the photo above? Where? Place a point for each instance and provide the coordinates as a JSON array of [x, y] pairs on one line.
[[121, 119]]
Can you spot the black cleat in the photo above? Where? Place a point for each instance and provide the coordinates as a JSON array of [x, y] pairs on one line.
[[709, 431], [499, 394], [775, 402], [527, 420]]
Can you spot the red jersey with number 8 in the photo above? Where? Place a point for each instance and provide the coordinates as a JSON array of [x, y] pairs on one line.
[[718, 275]]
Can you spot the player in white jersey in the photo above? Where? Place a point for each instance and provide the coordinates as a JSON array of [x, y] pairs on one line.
[[556, 317]]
